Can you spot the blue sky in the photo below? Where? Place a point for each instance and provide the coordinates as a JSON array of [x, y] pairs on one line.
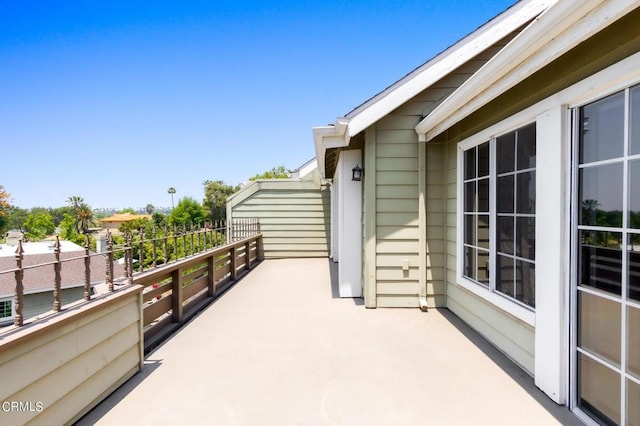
[[115, 101]]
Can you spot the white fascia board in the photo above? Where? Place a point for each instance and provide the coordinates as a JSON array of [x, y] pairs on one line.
[[555, 32], [243, 193], [307, 168], [444, 63], [327, 137]]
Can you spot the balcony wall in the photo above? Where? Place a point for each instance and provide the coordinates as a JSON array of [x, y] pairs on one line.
[[56, 369]]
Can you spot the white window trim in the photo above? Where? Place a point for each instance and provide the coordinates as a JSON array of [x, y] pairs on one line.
[[9, 319], [608, 81], [490, 295]]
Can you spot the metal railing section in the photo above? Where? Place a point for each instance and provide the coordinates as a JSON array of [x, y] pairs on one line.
[[223, 246]]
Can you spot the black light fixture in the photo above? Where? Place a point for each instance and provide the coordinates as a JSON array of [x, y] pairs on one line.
[[356, 173]]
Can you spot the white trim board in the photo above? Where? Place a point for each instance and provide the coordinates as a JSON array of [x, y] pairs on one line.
[[557, 30]]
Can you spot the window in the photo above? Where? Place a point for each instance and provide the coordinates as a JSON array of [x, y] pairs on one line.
[[499, 199], [5, 309]]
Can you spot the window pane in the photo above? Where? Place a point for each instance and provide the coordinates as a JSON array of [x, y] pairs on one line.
[[634, 194], [504, 275], [602, 121], [470, 263], [483, 195], [601, 195], [470, 163], [633, 249], [483, 231], [635, 121], [599, 329], [526, 190], [633, 344], [483, 159], [600, 260], [505, 234], [504, 196], [505, 152], [633, 403], [526, 237], [527, 147], [526, 283], [599, 389], [470, 196], [469, 229], [483, 267]]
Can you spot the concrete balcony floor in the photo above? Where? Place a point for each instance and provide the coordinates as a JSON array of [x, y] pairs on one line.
[[280, 349]]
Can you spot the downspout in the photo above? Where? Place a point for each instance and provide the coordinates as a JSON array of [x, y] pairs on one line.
[[422, 224]]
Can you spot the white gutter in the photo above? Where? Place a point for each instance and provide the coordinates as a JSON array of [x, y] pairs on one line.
[[548, 34]]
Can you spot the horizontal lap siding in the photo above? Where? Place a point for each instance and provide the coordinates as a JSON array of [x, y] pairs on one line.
[[38, 303], [397, 211], [73, 366], [397, 191], [294, 222]]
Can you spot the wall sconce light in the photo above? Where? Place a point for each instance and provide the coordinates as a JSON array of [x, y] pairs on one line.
[[356, 173]]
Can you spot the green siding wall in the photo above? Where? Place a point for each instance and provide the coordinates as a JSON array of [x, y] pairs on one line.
[[397, 192], [294, 217]]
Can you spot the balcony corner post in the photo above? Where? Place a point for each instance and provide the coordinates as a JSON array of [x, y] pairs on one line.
[[18, 300]]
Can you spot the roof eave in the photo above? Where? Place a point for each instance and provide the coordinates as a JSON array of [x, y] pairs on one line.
[[444, 63], [544, 40], [328, 137]]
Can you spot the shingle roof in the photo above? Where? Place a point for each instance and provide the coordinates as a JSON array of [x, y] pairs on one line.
[[41, 278]]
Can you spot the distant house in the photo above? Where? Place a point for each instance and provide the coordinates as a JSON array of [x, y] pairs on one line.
[[114, 222], [501, 181], [38, 282]]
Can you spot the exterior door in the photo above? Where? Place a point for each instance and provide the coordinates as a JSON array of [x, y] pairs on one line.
[[606, 253]]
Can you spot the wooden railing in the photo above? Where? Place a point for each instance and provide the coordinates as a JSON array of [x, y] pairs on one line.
[[176, 292]]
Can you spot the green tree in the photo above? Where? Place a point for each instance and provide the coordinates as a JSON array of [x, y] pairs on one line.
[[58, 213], [159, 219], [38, 225], [275, 173], [16, 218], [68, 227], [127, 210], [135, 225], [187, 211], [149, 208], [5, 207], [82, 213], [215, 198]]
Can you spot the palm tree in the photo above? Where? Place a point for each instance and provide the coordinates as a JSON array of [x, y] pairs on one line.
[[149, 208], [171, 191], [84, 216], [75, 201]]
